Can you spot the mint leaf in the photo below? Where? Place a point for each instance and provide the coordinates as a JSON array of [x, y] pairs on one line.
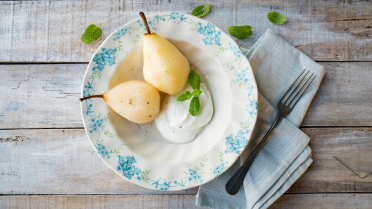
[[276, 18], [240, 32], [183, 97], [91, 34], [194, 80], [201, 11], [196, 93], [194, 106]]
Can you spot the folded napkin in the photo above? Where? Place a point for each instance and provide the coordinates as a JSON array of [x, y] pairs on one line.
[[286, 154]]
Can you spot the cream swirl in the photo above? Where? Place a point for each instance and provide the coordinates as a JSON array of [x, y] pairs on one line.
[[175, 122]]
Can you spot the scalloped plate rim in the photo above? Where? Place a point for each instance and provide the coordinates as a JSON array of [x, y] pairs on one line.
[[235, 158]]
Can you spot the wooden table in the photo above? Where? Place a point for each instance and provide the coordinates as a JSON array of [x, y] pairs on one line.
[[46, 159]]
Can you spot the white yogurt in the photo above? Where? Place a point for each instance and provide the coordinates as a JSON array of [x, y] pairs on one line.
[[175, 122]]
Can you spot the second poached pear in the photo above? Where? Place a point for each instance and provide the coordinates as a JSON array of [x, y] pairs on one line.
[[134, 100], [164, 67]]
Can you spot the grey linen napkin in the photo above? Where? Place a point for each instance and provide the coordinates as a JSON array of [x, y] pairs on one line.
[[286, 154]]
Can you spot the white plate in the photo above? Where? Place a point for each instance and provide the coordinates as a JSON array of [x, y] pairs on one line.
[[138, 152]]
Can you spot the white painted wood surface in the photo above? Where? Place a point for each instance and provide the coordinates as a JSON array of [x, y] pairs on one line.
[[287, 201], [329, 201], [50, 31], [46, 96], [40, 96], [99, 201], [46, 160], [62, 161]]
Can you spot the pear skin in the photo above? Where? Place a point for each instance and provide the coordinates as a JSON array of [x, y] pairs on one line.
[[134, 100], [164, 67]]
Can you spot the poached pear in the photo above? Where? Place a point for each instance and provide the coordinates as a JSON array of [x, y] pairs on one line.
[[164, 65], [134, 100]]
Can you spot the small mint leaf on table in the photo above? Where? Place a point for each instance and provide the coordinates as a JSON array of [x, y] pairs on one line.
[[183, 97], [194, 80], [91, 34], [276, 18], [194, 106], [196, 93], [240, 32], [201, 11]]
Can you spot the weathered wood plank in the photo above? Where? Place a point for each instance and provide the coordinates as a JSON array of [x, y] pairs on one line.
[[287, 201], [99, 201], [46, 96], [40, 96], [52, 161], [330, 201], [50, 31], [58, 162], [344, 97], [342, 161]]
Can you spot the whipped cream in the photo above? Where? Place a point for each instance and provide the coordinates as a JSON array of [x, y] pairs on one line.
[[175, 122]]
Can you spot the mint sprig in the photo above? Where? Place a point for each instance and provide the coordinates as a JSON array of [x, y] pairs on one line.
[[183, 97], [240, 32], [194, 80], [276, 18], [194, 106], [196, 93], [91, 34], [201, 11]]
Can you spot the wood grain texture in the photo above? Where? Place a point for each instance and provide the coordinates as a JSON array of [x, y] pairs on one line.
[[344, 97], [46, 96], [287, 201], [342, 161], [59, 161], [40, 96], [50, 31], [329, 201], [60, 169], [99, 201]]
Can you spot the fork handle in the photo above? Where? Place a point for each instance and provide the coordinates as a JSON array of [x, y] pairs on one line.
[[235, 182]]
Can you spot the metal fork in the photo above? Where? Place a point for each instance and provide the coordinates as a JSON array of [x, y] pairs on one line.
[[284, 106]]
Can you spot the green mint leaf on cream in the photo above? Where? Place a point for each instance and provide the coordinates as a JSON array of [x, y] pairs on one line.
[[201, 11], [183, 97], [194, 106], [196, 93], [276, 18], [194, 80], [91, 34], [240, 32]]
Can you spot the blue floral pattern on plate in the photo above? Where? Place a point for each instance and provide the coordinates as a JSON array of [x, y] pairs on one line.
[[121, 32], [107, 56], [127, 166], [236, 50], [236, 144], [194, 176], [219, 169], [101, 149], [130, 166], [95, 124], [211, 35]]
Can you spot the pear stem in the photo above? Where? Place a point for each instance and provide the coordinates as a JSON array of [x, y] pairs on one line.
[[84, 98], [145, 21]]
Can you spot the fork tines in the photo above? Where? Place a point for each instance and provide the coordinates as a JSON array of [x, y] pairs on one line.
[[299, 89]]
